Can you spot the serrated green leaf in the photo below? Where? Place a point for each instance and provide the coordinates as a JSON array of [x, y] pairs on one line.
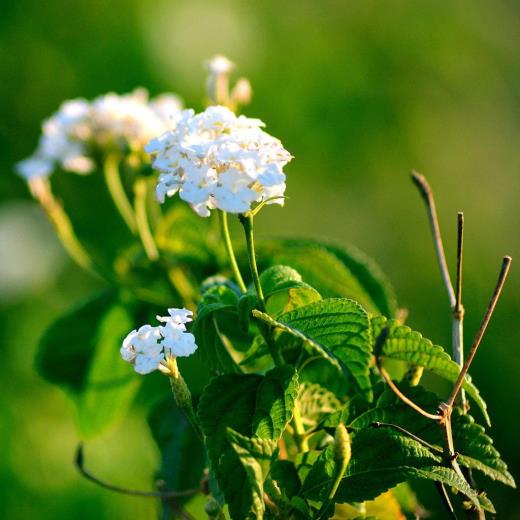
[[476, 449], [242, 402], [80, 352], [381, 459], [337, 329], [333, 271], [404, 344], [315, 402], [255, 455], [275, 401]]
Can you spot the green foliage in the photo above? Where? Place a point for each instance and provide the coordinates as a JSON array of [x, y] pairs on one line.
[[218, 302], [252, 406], [476, 449], [255, 456], [183, 457], [337, 329], [284, 289], [381, 458], [333, 271], [80, 352], [404, 344]]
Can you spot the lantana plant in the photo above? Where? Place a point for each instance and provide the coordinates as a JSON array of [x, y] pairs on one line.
[[281, 356]]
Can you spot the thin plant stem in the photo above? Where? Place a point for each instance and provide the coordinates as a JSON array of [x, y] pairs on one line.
[[380, 341], [458, 309], [117, 191], [427, 194], [446, 499], [223, 220], [406, 400], [55, 212], [504, 271], [141, 219], [80, 464], [247, 223], [402, 430]]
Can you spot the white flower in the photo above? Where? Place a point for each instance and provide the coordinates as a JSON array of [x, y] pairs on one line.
[[219, 64], [142, 349], [218, 160], [148, 347], [81, 131]]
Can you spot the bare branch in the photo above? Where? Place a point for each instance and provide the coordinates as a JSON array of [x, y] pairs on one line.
[[402, 430], [506, 263], [79, 461], [377, 349], [427, 194]]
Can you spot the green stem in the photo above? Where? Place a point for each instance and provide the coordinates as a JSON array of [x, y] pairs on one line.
[[117, 191], [41, 191], [247, 223], [141, 219], [222, 217]]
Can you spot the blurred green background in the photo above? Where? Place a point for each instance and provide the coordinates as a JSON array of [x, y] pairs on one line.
[[360, 93]]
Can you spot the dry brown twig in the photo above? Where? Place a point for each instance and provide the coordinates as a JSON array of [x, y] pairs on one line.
[[443, 418]]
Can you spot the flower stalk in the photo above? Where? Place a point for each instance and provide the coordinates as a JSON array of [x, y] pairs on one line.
[[117, 191], [141, 219], [223, 220]]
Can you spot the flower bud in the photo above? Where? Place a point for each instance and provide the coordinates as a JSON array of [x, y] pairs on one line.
[[342, 448], [242, 92]]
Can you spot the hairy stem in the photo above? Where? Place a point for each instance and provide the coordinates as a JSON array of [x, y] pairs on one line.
[[117, 191], [223, 220]]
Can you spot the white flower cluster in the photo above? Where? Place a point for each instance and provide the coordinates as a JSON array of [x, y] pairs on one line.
[[218, 160], [82, 130], [148, 346]]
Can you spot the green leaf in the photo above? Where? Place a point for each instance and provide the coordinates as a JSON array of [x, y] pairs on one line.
[[80, 352], [255, 455], [285, 474], [275, 400], [381, 459], [476, 449], [252, 406], [337, 329], [315, 402], [278, 276], [284, 290], [333, 271], [183, 456], [404, 344], [217, 301]]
